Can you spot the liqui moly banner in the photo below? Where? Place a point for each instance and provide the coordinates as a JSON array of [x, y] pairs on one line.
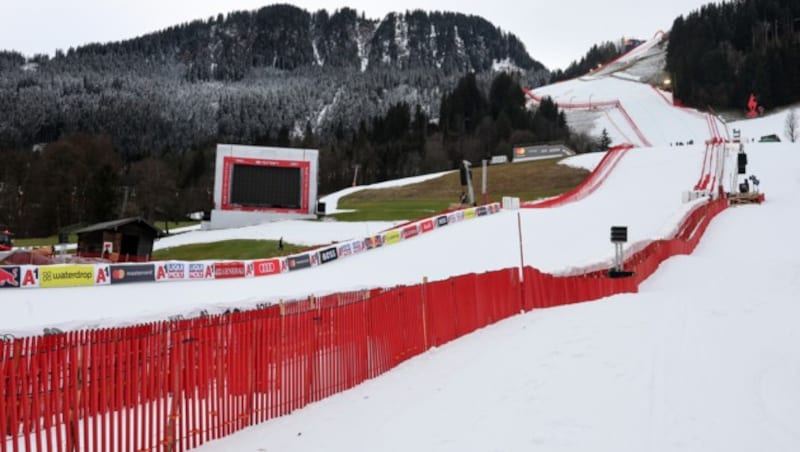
[[178, 271]]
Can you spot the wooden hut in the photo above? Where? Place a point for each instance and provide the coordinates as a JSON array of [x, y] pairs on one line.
[[125, 240]]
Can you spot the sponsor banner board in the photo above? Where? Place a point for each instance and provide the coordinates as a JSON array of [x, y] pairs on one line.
[[428, 225], [10, 277], [298, 262], [266, 267], [345, 250], [357, 246], [469, 213], [66, 275], [441, 221], [225, 270], [392, 237], [176, 270], [410, 231], [200, 270], [133, 273], [455, 217], [328, 255], [374, 241], [29, 276], [481, 211], [102, 274]]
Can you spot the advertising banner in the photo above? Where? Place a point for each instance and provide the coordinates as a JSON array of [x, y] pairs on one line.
[[10, 277], [267, 267], [102, 274], [455, 217], [428, 225], [175, 270], [481, 211], [392, 237], [358, 246], [30, 276], [328, 255], [225, 270], [200, 270], [374, 242], [469, 213], [441, 221], [66, 275], [410, 231], [298, 262], [132, 273], [345, 250]]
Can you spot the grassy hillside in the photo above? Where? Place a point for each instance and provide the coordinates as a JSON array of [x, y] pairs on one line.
[[527, 181]]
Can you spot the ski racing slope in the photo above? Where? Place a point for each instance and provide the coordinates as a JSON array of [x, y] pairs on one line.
[[614, 98], [704, 358], [646, 117], [643, 192]]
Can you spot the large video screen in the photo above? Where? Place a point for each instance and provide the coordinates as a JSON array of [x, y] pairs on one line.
[[266, 187]]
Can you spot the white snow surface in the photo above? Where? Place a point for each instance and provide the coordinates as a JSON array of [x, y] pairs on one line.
[[704, 358]]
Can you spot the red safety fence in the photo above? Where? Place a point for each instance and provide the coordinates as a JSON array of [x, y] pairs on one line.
[[588, 185], [173, 385], [594, 105]]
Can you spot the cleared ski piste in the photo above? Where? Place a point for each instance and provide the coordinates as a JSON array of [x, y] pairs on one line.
[[643, 192], [705, 357]]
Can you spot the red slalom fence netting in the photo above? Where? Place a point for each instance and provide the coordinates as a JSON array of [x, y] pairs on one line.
[[173, 385]]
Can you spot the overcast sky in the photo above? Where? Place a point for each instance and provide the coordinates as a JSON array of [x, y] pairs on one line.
[[555, 32]]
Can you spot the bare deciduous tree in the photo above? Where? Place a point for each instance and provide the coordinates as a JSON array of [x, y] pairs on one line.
[[791, 129]]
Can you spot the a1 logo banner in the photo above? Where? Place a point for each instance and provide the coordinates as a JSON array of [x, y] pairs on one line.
[[427, 226], [102, 275], [29, 276], [161, 272]]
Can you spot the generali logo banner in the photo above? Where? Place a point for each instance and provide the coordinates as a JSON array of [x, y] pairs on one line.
[[225, 270]]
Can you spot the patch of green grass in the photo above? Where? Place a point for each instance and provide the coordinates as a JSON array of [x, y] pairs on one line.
[[401, 209], [527, 181], [227, 249], [43, 241]]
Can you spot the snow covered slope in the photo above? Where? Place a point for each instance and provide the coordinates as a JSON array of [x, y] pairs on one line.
[[703, 358], [617, 99], [643, 192]]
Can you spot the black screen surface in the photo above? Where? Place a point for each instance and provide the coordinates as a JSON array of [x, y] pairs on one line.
[[266, 186]]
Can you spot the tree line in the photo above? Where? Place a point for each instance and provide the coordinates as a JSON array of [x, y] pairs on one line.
[[723, 52], [83, 178]]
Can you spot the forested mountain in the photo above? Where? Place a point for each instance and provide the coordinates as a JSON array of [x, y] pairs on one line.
[[596, 55], [245, 76], [129, 128], [725, 51]]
